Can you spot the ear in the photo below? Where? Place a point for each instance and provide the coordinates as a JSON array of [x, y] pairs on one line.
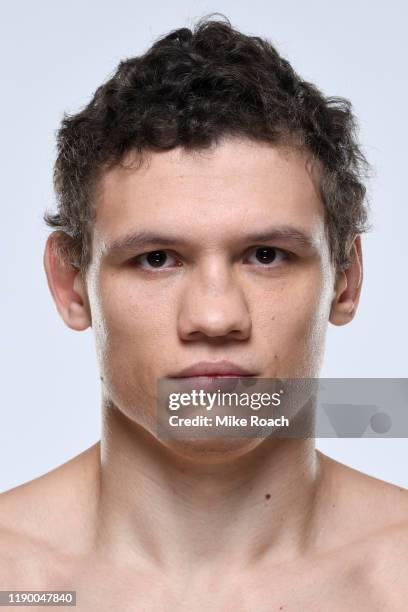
[[348, 287], [67, 286]]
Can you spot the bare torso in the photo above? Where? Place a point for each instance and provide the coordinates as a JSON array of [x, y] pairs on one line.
[[360, 560]]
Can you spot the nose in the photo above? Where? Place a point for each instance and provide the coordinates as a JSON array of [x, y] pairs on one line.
[[213, 305]]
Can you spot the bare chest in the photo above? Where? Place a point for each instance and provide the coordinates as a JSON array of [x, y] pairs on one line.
[[280, 591]]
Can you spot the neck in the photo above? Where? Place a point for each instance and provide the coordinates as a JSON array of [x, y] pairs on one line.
[[178, 513]]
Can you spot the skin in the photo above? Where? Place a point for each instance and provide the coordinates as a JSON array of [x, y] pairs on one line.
[[136, 522]]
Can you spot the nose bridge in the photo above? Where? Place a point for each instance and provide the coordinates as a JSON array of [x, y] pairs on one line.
[[214, 303], [214, 275]]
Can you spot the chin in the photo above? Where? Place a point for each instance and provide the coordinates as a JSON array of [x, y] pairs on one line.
[[212, 450]]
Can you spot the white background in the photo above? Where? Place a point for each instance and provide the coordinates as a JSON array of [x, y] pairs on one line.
[[53, 56]]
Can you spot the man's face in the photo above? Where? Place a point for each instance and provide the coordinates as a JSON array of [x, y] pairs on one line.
[[229, 276]]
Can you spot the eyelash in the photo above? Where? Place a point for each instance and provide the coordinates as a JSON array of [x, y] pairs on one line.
[[135, 261]]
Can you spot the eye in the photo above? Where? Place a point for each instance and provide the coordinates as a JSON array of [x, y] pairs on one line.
[[266, 255], [155, 259]]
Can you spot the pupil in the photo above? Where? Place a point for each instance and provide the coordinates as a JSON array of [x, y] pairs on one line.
[[265, 254], [156, 258]]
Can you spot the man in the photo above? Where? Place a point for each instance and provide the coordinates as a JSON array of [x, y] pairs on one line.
[[209, 224]]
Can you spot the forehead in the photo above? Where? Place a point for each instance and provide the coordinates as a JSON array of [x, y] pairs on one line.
[[210, 192]]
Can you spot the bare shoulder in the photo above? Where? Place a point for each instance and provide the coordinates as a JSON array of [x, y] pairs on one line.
[[369, 520], [45, 518], [377, 503], [387, 564]]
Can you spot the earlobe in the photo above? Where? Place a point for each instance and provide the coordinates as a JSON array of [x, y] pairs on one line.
[[67, 286], [348, 287]]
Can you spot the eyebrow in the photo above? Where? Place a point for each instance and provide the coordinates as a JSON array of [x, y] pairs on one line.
[[135, 240]]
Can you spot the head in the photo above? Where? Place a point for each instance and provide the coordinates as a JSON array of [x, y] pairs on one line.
[[210, 207]]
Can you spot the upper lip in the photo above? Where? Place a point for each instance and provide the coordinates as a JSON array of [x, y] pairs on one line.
[[213, 368]]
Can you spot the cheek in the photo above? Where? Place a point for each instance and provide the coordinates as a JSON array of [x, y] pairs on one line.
[[130, 327], [292, 324], [129, 317], [130, 333]]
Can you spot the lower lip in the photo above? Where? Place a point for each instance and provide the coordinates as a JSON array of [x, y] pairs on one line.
[[223, 382]]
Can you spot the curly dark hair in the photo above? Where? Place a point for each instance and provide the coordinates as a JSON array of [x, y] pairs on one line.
[[190, 89]]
